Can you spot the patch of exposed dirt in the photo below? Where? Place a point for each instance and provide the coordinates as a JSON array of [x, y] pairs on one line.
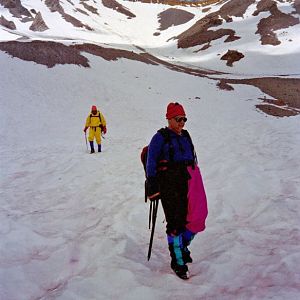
[[224, 86], [277, 20], [232, 56], [113, 4], [283, 90], [173, 17], [277, 111]]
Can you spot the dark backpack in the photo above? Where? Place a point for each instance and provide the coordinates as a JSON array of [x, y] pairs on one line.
[[144, 154], [167, 140]]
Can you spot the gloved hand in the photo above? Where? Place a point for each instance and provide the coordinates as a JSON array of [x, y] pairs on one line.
[[85, 129], [104, 129], [152, 189]]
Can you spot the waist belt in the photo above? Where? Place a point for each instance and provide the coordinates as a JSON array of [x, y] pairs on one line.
[[164, 164], [95, 127]]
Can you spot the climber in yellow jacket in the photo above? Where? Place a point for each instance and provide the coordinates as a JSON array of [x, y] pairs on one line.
[[97, 124]]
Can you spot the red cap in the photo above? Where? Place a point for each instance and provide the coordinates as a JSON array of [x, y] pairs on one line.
[[94, 107], [174, 110]]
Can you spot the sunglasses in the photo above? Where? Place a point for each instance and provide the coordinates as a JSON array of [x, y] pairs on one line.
[[179, 119]]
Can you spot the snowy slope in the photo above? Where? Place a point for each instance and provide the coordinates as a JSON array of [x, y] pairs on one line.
[[138, 24], [74, 225]]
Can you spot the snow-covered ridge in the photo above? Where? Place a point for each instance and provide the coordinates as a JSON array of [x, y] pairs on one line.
[[157, 25], [226, 37]]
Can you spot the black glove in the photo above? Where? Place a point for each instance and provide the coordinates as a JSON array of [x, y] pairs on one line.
[[152, 189]]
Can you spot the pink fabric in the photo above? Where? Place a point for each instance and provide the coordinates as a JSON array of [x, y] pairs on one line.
[[197, 204]]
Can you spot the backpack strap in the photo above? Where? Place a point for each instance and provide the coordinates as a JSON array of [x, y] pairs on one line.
[[91, 115], [167, 140], [186, 133]]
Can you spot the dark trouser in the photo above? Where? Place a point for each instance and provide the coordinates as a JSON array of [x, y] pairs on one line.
[[174, 189]]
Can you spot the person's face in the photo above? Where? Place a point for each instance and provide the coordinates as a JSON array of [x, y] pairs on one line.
[[177, 123], [94, 112]]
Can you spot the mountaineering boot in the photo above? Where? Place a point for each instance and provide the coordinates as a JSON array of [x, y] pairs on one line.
[[186, 255], [178, 264], [187, 237], [99, 147], [181, 271], [92, 147]]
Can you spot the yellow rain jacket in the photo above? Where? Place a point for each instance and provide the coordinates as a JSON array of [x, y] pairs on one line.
[[96, 124]]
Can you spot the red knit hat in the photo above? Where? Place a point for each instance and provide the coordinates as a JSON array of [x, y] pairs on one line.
[[174, 109], [94, 108]]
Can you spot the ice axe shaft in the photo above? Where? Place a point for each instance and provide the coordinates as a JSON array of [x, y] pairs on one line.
[[87, 148], [154, 215]]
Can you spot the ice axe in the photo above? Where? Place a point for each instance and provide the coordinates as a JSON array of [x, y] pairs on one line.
[[87, 148], [153, 210]]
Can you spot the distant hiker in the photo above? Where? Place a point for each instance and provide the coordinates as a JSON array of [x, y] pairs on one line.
[[97, 124], [174, 177]]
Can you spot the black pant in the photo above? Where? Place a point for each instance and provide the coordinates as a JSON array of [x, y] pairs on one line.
[[173, 184]]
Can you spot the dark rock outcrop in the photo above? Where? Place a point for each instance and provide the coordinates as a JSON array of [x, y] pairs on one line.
[[173, 17], [277, 20], [38, 23], [55, 6], [8, 24], [232, 56], [16, 8], [113, 4]]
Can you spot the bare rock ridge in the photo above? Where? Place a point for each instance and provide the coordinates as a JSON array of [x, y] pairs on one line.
[[113, 4], [90, 8], [8, 24], [50, 53], [44, 52], [38, 23], [201, 32], [277, 20], [55, 6], [16, 9]]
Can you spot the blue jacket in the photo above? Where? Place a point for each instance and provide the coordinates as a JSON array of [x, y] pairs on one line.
[[159, 149]]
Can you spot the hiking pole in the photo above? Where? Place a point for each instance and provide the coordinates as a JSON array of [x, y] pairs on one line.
[[150, 214], [154, 214], [86, 143]]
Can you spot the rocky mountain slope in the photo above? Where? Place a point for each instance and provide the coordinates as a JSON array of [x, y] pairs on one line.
[[232, 42]]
